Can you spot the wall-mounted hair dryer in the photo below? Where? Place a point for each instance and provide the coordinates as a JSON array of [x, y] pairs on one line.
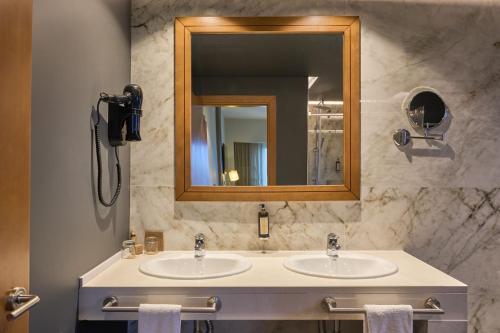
[[122, 110]]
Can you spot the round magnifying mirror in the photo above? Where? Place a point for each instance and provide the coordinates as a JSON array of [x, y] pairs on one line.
[[425, 108]]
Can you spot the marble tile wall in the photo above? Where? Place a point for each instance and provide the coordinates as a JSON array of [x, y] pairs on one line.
[[439, 202]]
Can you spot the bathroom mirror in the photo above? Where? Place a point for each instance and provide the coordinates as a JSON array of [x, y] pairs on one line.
[[267, 108]]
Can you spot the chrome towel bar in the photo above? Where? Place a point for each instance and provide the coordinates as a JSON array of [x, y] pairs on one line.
[[111, 304], [431, 306]]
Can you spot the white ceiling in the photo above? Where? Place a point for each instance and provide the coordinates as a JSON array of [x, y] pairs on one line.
[[244, 112]]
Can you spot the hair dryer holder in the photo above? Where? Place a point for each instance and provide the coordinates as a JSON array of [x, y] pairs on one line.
[[118, 115]]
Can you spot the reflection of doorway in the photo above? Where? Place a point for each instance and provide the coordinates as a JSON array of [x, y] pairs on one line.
[[249, 161]]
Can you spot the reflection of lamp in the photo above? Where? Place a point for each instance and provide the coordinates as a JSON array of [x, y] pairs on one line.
[[229, 177], [233, 175]]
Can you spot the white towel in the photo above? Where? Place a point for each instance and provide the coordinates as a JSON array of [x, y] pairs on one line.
[[389, 318], [159, 318]]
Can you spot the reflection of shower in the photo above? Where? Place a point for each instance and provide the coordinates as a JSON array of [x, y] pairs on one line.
[[319, 140], [323, 107], [323, 168]]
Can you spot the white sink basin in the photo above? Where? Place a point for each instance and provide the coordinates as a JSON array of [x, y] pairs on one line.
[[349, 265], [186, 266]]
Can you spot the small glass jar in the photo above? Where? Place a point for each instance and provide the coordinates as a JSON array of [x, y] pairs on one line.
[[128, 249], [151, 245]]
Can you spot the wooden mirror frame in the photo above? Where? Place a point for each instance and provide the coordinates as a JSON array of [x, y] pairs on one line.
[[347, 25]]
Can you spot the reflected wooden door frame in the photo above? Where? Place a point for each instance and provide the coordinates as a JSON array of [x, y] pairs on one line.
[[244, 100], [349, 26]]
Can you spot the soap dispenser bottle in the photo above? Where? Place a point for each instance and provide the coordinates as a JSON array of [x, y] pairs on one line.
[[263, 222]]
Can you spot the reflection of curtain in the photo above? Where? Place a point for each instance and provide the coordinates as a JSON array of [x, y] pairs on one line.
[[200, 167], [250, 160]]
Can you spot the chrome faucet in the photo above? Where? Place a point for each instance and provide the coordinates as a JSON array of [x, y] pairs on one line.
[[199, 245], [332, 245]]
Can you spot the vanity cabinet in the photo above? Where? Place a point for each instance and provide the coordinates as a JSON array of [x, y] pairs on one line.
[[268, 291]]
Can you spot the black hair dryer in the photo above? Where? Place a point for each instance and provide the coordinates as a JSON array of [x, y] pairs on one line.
[[122, 110]]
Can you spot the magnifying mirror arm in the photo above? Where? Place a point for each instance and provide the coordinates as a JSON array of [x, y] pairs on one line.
[[402, 137], [439, 137]]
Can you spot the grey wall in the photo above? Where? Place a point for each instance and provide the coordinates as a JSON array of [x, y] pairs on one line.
[[291, 117], [79, 49]]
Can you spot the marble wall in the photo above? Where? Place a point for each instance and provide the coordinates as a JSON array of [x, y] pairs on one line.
[[439, 202]]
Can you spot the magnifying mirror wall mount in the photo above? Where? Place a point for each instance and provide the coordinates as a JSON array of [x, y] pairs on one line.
[[426, 111], [189, 30]]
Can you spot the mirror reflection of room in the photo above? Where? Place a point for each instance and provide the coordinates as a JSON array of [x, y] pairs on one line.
[[229, 145], [231, 130]]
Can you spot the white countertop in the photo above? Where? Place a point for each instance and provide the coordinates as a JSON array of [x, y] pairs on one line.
[[268, 272]]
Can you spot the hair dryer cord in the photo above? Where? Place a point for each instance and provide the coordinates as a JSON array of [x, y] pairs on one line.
[[99, 164]]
